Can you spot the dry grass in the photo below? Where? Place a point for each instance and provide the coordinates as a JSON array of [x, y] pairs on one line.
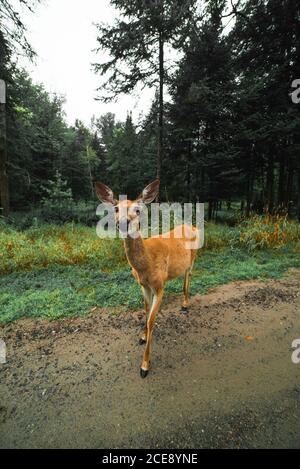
[[72, 244]]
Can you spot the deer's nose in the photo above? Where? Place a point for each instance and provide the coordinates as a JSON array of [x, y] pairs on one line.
[[123, 224]]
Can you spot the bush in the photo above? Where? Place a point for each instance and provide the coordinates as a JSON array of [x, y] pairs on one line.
[[218, 236], [70, 244], [268, 232], [231, 217], [83, 213], [57, 204], [50, 244]]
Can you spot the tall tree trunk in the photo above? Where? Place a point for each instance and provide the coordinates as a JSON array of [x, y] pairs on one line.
[[270, 183], [250, 184], [282, 164], [188, 178], [210, 200], [160, 146], [215, 210], [289, 186], [242, 206], [210, 209], [4, 188], [202, 182], [90, 171], [290, 190]]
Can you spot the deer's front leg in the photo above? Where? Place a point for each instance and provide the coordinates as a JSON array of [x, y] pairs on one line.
[[147, 293], [150, 324]]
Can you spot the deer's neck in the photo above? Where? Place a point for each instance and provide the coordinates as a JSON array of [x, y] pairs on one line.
[[136, 253]]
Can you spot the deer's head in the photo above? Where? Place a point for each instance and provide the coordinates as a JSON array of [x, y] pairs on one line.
[[127, 212]]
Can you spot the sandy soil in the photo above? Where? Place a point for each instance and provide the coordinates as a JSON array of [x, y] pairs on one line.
[[222, 376]]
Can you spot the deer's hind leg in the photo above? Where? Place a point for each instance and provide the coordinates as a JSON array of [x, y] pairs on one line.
[[186, 285], [147, 293]]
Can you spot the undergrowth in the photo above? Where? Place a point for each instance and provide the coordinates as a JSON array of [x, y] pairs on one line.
[[51, 272]]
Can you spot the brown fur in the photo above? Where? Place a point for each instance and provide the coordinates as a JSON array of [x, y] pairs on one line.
[[155, 260]]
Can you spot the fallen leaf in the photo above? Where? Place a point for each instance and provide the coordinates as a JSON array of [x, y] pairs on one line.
[[249, 338]]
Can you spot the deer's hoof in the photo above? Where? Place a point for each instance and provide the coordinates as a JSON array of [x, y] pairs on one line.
[[184, 309], [142, 341], [144, 373]]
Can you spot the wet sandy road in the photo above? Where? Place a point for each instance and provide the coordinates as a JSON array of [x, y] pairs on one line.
[[221, 376]]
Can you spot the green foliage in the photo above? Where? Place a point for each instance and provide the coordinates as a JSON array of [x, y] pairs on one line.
[[234, 131], [51, 244], [231, 131], [57, 271], [57, 193], [59, 291], [58, 199], [71, 244], [77, 212], [132, 41], [218, 236], [123, 168], [13, 28], [36, 139], [264, 232]]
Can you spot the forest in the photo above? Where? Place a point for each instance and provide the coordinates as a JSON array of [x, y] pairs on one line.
[[222, 129], [77, 310]]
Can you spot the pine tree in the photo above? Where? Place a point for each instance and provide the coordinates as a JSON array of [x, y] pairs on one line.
[[201, 113], [136, 44]]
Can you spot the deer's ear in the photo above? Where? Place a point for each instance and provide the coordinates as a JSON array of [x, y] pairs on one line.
[[104, 193], [150, 192]]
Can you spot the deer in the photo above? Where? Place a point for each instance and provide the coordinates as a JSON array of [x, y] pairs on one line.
[[153, 260]]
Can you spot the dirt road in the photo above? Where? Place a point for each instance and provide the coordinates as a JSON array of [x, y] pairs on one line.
[[221, 376]]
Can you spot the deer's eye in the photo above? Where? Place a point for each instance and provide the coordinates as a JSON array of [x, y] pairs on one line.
[[117, 209], [137, 211]]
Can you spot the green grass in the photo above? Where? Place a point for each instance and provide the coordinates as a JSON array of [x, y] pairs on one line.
[[72, 244], [51, 244], [60, 291], [51, 272]]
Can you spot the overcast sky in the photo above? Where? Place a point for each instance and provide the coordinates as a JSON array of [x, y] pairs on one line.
[[63, 35]]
